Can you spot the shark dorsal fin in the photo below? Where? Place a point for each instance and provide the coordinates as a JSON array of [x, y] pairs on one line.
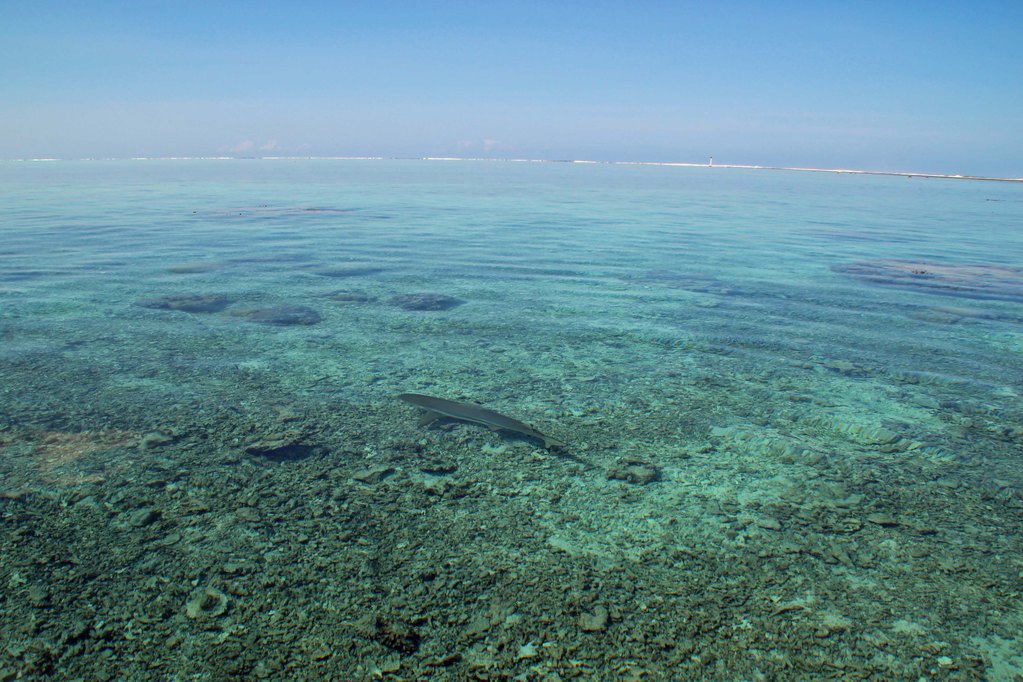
[[429, 417]]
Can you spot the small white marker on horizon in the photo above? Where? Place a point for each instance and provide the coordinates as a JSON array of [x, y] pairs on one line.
[[711, 162]]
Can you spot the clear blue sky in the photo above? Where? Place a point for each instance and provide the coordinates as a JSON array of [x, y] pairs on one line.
[[892, 85]]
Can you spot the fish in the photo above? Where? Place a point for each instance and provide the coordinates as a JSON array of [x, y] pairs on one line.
[[438, 408]]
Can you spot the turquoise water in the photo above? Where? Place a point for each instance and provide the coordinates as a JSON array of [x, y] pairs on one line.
[[791, 404]]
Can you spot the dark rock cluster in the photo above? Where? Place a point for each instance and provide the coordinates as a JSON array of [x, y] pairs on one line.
[[426, 302], [283, 314], [188, 303]]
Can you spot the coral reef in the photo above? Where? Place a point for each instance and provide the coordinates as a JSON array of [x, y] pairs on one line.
[[345, 296], [195, 267], [283, 314], [429, 302], [189, 303], [633, 471], [969, 280], [346, 271]]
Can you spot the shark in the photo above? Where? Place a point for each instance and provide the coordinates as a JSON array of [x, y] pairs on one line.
[[439, 408]]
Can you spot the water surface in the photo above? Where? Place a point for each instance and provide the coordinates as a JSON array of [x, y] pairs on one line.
[[792, 404]]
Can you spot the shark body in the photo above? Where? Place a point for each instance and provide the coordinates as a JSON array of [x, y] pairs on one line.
[[437, 408]]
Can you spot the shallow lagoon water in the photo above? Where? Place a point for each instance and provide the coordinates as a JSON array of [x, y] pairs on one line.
[[791, 403]]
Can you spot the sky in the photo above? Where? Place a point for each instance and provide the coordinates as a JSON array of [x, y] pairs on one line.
[[932, 86]]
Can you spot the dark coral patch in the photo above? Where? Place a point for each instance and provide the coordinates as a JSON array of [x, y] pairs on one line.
[[431, 302], [960, 314], [346, 271], [279, 314], [189, 303], [288, 210], [998, 282], [193, 268], [680, 280], [275, 259], [350, 297], [283, 451], [20, 274], [396, 635]]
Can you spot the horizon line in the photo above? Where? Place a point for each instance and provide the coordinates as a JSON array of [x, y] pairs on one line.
[[678, 164]]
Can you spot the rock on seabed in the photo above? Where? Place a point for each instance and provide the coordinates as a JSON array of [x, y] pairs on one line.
[[283, 315]]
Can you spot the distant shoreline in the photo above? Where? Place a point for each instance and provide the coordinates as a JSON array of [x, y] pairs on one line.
[[683, 164], [679, 164], [848, 171]]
